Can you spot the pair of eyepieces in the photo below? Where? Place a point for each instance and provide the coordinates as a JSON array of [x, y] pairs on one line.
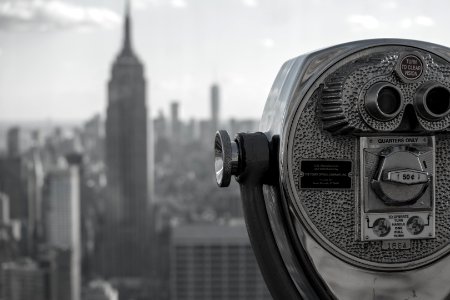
[[384, 101]]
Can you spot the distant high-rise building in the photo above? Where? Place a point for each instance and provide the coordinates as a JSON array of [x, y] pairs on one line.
[[92, 139], [100, 290], [125, 240], [63, 276], [8, 238], [161, 138], [36, 138], [24, 280], [13, 184], [14, 142], [204, 130], [175, 126], [62, 198], [160, 126], [62, 202], [34, 182], [215, 108], [4, 209], [214, 262]]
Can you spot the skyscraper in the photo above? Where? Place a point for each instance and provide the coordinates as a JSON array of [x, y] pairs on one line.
[[12, 176], [4, 209], [34, 183], [62, 197], [175, 122], [215, 108], [125, 242]]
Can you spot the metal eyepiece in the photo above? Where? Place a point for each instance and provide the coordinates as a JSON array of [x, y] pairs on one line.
[[226, 160], [383, 101], [432, 101]]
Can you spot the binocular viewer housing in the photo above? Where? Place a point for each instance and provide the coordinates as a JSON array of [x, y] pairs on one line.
[[346, 187]]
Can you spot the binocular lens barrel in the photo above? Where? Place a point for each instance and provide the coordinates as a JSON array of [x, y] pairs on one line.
[[433, 101], [383, 101]]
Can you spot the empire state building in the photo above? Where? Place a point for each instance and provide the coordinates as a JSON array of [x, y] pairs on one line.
[[125, 239]]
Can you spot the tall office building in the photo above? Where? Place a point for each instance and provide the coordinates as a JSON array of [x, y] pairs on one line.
[[34, 183], [175, 126], [23, 280], [14, 142], [62, 199], [215, 108], [125, 237], [4, 209], [63, 208], [214, 262], [8, 236], [13, 177]]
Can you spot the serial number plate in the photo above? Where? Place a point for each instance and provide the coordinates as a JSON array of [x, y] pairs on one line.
[[396, 245]]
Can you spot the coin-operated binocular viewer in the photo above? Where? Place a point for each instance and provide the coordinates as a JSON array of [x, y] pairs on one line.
[[346, 189]]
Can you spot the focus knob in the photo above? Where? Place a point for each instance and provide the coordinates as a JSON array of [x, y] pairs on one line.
[[226, 160]]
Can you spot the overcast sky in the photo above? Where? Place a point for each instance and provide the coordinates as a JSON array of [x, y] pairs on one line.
[[55, 56]]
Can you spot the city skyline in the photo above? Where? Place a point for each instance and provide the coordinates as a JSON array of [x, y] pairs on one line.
[[90, 202], [186, 44]]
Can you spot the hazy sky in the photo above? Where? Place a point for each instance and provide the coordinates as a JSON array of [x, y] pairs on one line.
[[55, 56]]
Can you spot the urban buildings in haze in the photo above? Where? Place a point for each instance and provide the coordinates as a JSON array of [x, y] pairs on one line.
[[78, 219], [100, 290], [214, 262], [14, 142], [24, 280]]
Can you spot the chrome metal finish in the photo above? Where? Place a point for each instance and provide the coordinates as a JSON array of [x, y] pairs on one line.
[[296, 81], [226, 158], [400, 179], [374, 97], [424, 95], [393, 207]]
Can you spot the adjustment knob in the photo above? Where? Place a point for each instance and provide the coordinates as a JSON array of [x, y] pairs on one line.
[[226, 160]]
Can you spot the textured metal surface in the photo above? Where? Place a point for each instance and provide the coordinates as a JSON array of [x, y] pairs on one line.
[[334, 213], [344, 90], [295, 80]]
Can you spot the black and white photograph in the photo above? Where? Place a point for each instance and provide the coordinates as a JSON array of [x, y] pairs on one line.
[[224, 150]]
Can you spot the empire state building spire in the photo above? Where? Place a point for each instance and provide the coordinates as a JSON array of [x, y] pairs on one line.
[[127, 49], [126, 236]]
